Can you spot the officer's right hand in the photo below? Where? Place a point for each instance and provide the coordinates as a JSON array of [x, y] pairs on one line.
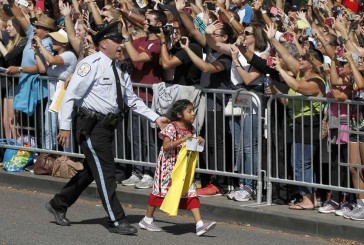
[[64, 137]]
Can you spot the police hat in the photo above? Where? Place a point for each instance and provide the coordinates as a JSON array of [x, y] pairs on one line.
[[111, 31]]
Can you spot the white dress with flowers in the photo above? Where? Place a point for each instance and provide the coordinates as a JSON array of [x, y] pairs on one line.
[[167, 160]]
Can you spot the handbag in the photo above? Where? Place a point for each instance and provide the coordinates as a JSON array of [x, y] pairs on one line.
[[15, 160], [64, 167], [44, 164], [230, 110]]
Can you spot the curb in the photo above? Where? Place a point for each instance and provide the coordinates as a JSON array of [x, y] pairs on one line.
[[213, 208]]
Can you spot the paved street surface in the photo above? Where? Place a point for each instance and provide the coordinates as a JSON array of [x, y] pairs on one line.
[[24, 220]]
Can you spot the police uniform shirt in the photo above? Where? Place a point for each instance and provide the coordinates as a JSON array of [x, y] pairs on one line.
[[93, 87]]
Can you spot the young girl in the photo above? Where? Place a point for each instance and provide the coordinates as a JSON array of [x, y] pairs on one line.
[[174, 135]]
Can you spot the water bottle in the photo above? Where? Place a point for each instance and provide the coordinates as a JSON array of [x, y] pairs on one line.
[[267, 83]]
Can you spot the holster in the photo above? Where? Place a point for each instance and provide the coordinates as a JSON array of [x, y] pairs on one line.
[[86, 121]]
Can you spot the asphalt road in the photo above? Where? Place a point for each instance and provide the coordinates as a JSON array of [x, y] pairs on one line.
[[24, 220]]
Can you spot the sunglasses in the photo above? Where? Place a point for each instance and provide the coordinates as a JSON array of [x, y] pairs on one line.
[[105, 9], [246, 33], [303, 58]]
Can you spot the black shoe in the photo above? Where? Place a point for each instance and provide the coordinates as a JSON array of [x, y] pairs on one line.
[[60, 217], [123, 229]]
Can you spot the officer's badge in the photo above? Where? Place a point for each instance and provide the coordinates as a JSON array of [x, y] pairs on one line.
[[84, 69]]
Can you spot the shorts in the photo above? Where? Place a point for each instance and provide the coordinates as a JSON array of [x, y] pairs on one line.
[[357, 137], [9, 90]]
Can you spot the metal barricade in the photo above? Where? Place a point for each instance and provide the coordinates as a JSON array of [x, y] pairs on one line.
[[137, 142], [331, 165]]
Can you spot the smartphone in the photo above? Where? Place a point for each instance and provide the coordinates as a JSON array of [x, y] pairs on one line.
[[308, 32], [329, 22], [210, 6], [75, 16], [184, 41], [288, 36], [39, 4], [270, 61], [274, 11], [187, 10], [341, 51]]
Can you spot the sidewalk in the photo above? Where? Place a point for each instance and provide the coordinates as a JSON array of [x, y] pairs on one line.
[[215, 208]]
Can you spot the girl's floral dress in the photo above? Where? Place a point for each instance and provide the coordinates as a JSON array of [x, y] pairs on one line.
[[167, 160]]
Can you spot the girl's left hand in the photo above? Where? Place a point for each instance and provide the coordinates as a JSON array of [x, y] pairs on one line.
[[200, 139]]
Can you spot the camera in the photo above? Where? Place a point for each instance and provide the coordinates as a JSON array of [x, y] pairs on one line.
[[167, 29], [210, 6]]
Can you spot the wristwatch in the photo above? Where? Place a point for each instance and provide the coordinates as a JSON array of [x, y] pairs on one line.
[[20, 69], [163, 42], [126, 39], [264, 11]]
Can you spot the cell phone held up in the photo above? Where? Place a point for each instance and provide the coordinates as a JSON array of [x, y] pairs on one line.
[[210, 6], [329, 22], [288, 36], [270, 61], [274, 11]]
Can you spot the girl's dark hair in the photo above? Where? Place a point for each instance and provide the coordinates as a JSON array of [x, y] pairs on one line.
[[178, 107]]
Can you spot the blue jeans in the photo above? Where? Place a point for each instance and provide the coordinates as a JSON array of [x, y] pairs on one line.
[[50, 128], [249, 147], [303, 170]]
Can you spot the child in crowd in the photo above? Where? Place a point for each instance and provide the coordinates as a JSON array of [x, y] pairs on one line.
[[173, 136]]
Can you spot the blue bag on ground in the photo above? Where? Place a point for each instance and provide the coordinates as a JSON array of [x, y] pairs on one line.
[[15, 160]]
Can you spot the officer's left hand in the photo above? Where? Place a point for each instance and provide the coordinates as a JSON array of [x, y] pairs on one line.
[[162, 122]]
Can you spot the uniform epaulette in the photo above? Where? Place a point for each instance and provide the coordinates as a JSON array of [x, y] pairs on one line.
[[96, 60]]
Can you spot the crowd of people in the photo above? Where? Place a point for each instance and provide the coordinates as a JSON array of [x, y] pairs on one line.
[[314, 49]]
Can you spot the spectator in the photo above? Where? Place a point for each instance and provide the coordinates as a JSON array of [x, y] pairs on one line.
[[215, 75], [11, 56], [144, 54], [59, 65]]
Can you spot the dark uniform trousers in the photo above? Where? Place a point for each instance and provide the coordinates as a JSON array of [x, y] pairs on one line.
[[99, 166]]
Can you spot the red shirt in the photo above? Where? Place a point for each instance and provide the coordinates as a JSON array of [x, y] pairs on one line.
[[147, 72]]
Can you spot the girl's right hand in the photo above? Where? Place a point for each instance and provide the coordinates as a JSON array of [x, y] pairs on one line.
[[189, 135]]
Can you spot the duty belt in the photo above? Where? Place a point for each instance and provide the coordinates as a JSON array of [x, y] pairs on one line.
[[109, 120]]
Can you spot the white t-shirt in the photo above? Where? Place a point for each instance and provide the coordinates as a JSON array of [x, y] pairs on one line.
[[61, 71]]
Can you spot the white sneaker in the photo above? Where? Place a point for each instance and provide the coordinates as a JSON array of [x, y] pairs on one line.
[[244, 195], [145, 183], [345, 208], [207, 226], [347, 215], [329, 207], [149, 227], [358, 215], [133, 180]]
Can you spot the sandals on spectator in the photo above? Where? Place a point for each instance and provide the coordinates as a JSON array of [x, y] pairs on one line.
[[299, 206]]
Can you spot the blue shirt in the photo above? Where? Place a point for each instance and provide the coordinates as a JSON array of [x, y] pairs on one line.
[[28, 52]]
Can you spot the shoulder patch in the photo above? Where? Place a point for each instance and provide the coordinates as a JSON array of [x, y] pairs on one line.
[[84, 69]]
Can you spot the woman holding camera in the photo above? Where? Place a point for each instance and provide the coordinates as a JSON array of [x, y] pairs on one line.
[[11, 55], [59, 65]]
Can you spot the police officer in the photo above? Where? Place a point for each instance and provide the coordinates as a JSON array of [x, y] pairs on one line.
[[93, 88]]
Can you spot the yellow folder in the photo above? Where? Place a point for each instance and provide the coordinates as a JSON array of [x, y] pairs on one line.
[[182, 178]]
